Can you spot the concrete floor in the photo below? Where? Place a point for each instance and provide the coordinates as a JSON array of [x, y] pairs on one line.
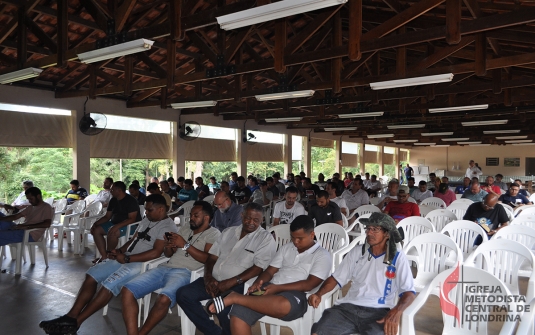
[[42, 294]]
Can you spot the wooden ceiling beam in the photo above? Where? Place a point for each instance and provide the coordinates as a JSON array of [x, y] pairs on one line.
[[40, 34], [355, 29], [236, 42], [441, 53], [155, 67], [114, 89], [96, 12], [199, 43], [122, 13]]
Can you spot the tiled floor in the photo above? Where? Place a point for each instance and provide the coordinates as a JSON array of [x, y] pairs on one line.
[[41, 294]]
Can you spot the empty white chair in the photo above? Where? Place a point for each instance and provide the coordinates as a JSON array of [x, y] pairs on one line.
[[459, 209], [458, 196], [375, 201], [464, 233], [59, 207], [86, 222], [332, 237], [17, 249], [519, 209], [184, 218], [525, 325], [509, 210], [414, 226], [526, 210], [532, 198], [282, 234], [462, 201], [430, 252], [209, 199], [434, 202], [357, 226], [503, 258], [78, 225], [457, 295], [524, 235], [440, 217], [526, 220], [424, 210]]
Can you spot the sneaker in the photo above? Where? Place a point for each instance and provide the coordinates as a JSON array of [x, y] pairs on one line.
[[62, 325]]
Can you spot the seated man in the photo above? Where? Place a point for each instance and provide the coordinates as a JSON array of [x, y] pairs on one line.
[[412, 187], [391, 194], [228, 213], [233, 182], [239, 254], [373, 186], [122, 211], [141, 189], [225, 187], [311, 191], [180, 183], [513, 197], [356, 196], [273, 188], [474, 193], [321, 181], [164, 186], [330, 187], [173, 185], [280, 291], [38, 214], [422, 192], [277, 182], [402, 208], [462, 188], [214, 186], [325, 211], [123, 264], [134, 192], [252, 183], [379, 273], [76, 192], [445, 194], [187, 193], [242, 192], [261, 195], [154, 188], [522, 190], [194, 240], [491, 188], [21, 201], [201, 189], [432, 181], [104, 196], [488, 214], [502, 185], [286, 211]]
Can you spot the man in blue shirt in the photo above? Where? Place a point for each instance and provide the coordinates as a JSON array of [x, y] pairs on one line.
[[228, 213], [233, 182], [76, 192], [462, 188], [187, 193], [474, 193], [513, 197]]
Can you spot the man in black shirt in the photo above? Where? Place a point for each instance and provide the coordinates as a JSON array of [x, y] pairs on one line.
[[272, 188], [164, 186], [242, 192], [122, 210], [202, 190], [324, 210], [488, 214], [310, 191], [134, 191], [174, 186]]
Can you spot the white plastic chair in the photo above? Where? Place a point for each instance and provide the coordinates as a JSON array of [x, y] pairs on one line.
[[365, 209], [50, 201], [86, 222], [434, 202], [184, 218], [357, 228], [69, 220], [209, 199], [414, 226], [524, 235], [375, 201], [525, 326], [464, 233], [458, 196], [332, 237], [509, 210], [17, 249], [440, 217], [59, 207], [282, 234], [526, 220], [526, 210], [520, 209], [503, 258], [532, 198], [411, 199], [89, 199], [77, 226], [458, 209], [457, 296], [430, 252], [424, 210], [142, 211], [462, 201]]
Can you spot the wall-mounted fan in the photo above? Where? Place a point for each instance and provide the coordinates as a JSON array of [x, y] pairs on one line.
[[92, 123], [190, 131], [248, 138]]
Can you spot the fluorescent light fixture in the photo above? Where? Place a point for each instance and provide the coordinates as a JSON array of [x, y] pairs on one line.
[[369, 114], [340, 129], [272, 11], [488, 132], [473, 142], [285, 95], [381, 136], [431, 143], [285, 119], [117, 50], [511, 137], [452, 139], [524, 144], [519, 141], [194, 104], [30, 72], [439, 78], [441, 145], [483, 123], [33, 109], [406, 126], [405, 141], [457, 109], [479, 145], [446, 133]]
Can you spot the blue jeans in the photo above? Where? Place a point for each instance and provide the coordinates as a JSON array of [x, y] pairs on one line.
[[8, 236], [189, 298], [113, 275]]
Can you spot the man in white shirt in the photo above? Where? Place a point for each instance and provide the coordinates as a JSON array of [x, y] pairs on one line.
[[356, 197], [374, 185], [330, 187], [472, 170], [422, 192], [286, 211], [379, 273], [104, 196], [391, 194], [239, 254], [21, 201], [261, 195], [280, 291]]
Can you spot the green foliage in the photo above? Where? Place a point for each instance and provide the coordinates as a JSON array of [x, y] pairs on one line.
[[264, 169], [322, 162], [372, 169]]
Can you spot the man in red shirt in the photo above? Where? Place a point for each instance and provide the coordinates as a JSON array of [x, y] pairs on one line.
[[491, 188], [402, 208]]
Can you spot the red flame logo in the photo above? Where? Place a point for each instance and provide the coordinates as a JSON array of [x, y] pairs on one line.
[[448, 307]]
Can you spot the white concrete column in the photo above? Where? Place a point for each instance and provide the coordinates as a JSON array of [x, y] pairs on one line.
[[397, 161], [81, 167], [241, 158], [338, 155], [307, 163], [179, 153], [362, 162], [380, 160], [287, 147]]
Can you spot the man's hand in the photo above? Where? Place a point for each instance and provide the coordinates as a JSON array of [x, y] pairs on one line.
[[8, 207], [314, 300], [271, 289], [257, 286], [211, 286], [19, 227], [226, 285], [177, 240], [391, 321], [119, 258]]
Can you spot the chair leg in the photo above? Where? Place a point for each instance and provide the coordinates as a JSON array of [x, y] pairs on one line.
[[45, 251], [18, 262], [3, 253], [140, 311], [105, 310], [60, 238], [31, 251]]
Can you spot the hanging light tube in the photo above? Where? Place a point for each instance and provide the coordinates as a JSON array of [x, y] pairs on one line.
[[19, 75], [439, 78], [117, 50], [352, 115], [285, 95], [406, 126], [194, 104], [457, 108]]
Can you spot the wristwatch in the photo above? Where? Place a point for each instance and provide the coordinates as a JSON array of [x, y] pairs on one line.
[[239, 281], [186, 246], [127, 259]]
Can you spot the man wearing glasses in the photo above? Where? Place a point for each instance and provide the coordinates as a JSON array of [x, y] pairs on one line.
[[402, 208], [488, 214], [228, 213]]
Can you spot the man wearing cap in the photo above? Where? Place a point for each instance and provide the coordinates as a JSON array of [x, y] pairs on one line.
[[402, 208], [385, 274]]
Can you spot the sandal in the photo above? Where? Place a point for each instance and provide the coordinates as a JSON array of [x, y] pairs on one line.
[[218, 303]]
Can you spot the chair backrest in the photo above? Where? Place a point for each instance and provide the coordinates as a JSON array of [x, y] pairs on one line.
[[331, 236], [474, 322], [209, 199], [526, 220], [411, 199], [78, 206], [434, 202], [281, 234], [526, 210], [464, 233], [524, 235], [93, 209], [432, 252], [459, 209], [365, 209], [414, 226], [187, 206], [50, 201], [375, 201], [440, 217], [60, 205], [458, 196], [532, 198], [462, 201], [89, 199], [503, 258], [509, 210], [525, 324], [142, 210], [424, 210]]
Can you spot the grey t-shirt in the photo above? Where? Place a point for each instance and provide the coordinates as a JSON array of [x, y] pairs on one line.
[[199, 241], [156, 231]]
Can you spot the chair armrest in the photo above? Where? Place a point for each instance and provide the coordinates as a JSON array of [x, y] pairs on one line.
[[155, 262], [248, 284], [352, 226], [72, 215], [196, 274]]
